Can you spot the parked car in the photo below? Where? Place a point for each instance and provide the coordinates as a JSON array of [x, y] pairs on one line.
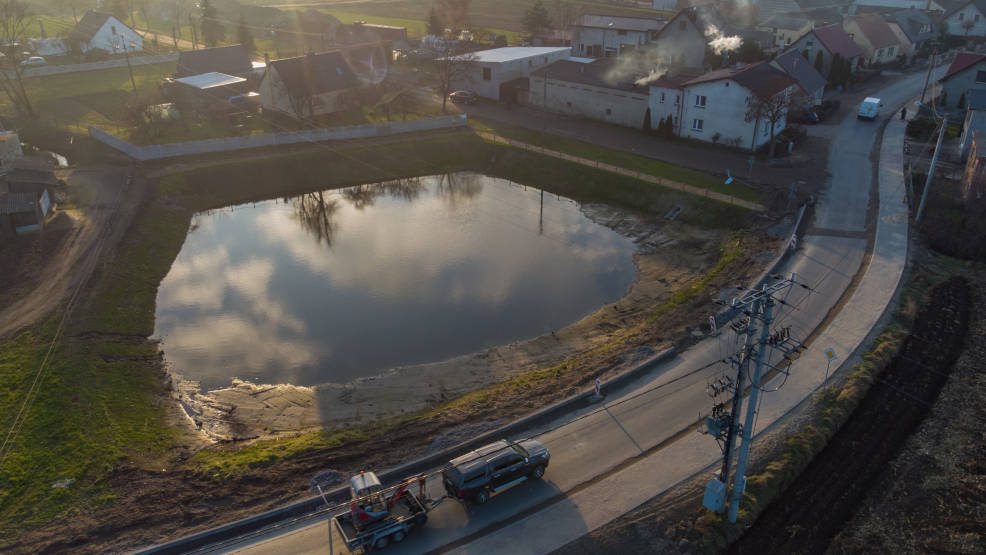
[[33, 61], [466, 97], [494, 468]]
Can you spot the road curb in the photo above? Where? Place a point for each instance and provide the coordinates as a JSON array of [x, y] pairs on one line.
[[283, 514]]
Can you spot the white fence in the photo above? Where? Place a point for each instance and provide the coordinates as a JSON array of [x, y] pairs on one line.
[[106, 64], [225, 144]]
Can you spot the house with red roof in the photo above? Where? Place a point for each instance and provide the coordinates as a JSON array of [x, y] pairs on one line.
[[874, 36], [829, 40], [966, 73], [713, 107]]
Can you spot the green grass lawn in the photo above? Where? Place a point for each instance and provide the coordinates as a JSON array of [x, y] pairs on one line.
[[619, 158]]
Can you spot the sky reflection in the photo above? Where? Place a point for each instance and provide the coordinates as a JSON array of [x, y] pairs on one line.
[[345, 283]]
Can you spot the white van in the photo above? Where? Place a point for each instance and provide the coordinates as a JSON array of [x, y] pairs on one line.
[[869, 108]]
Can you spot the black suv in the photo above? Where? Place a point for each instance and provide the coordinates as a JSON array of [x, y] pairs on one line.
[[494, 468]]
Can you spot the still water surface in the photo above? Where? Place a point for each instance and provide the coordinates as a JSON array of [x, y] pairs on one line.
[[339, 284]]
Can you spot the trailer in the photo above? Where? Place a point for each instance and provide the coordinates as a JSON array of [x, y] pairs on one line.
[[376, 518]]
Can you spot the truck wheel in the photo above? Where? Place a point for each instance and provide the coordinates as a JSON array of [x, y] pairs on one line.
[[381, 543], [398, 536], [482, 497], [538, 472], [420, 520]]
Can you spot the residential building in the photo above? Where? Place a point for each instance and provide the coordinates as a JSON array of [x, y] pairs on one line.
[[974, 176], [23, 212], [598, 36], [105, 32], [309, 86], [874, 36], [966, 73], [975, 120], [829, 40], [786, 27], [682, 43], [811, 83], [967, 19], [490, 69], [231, 60], [595, 89], [665, 99], [715, 105], [915, 25]]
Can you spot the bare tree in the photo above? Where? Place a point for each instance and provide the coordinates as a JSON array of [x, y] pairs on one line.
[[767, 106], [455, 13], [564, 14], [452, 67], [315, 211], [14, 20], [968, 25]]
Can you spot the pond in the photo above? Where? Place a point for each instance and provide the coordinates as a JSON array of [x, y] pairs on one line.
[[340, 284]]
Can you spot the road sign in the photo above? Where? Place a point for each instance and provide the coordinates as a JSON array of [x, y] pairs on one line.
[[830, 354]]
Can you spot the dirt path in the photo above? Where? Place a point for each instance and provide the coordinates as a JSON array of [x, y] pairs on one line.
[[96, 226]]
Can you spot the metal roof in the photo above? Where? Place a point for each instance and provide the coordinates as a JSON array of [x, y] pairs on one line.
[[622, 23], [511, 53], [209, 80]]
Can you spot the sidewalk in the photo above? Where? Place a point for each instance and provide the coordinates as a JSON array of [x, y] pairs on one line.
[[621, 492], [684, 187]]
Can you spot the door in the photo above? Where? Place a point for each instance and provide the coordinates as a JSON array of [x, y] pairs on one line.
[[506, 468]]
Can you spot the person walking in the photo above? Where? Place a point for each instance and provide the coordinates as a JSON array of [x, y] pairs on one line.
[[903, 113]]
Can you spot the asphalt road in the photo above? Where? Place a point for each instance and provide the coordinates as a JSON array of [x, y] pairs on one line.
[[596, 457]]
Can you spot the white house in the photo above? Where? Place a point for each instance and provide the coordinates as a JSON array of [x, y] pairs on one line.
[[590, 88], [105, 32], [715, 105], [967, 19], [683, 41], [490, 69], [597, 36], [309, 86], [665, 98]]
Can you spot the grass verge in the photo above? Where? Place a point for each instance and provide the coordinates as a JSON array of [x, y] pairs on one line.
[[619, 158]]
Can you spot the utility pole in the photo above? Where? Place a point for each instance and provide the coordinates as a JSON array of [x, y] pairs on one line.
[[126, 54], [931, 66], [931, 170], [757, 306]]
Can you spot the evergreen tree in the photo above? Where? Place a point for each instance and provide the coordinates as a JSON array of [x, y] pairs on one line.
[[835, 69], [669, 127], [661, 128], [536, 18], [647, 127], [212, 28], [805, 54], [435, 26], [245, 37], [820, 62]]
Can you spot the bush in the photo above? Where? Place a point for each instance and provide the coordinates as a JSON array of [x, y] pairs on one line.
[[96, 55], [921, 129]]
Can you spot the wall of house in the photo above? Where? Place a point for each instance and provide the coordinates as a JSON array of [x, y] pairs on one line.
[[784, 37], [607, 42], [605, 104], [501, 72], [907, 47], [274, 97], [968, 13], [724, 114], [105, 39], [664, 102], [680, 44], [963, 82]]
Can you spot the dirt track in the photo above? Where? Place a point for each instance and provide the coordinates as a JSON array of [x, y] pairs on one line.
[[96, 227]]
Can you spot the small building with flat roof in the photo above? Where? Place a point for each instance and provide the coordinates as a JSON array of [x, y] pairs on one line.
[[488, 69], [595, 89]]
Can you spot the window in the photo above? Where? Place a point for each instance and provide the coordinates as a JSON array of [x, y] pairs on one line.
[[700, 101], [981, 77], [975, 18], [568, 104], [879, 52], [487, 74], [609, 111], [662, 98], [766, 129], [809, 44], [683, 25], [113, 29], [530, 63], [581, 48], [697, 124], [621, 33], [961, 16], [676, 98]]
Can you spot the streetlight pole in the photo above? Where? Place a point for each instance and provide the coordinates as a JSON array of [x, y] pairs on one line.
[[126, 54]]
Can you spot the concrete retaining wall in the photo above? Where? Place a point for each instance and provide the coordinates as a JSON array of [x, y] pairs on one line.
[[117, 62], [226, 144]]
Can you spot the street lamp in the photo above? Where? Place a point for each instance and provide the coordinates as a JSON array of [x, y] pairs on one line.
[[126, 53]]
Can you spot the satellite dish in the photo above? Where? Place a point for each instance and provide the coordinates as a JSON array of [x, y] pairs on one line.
[[729, 177]]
